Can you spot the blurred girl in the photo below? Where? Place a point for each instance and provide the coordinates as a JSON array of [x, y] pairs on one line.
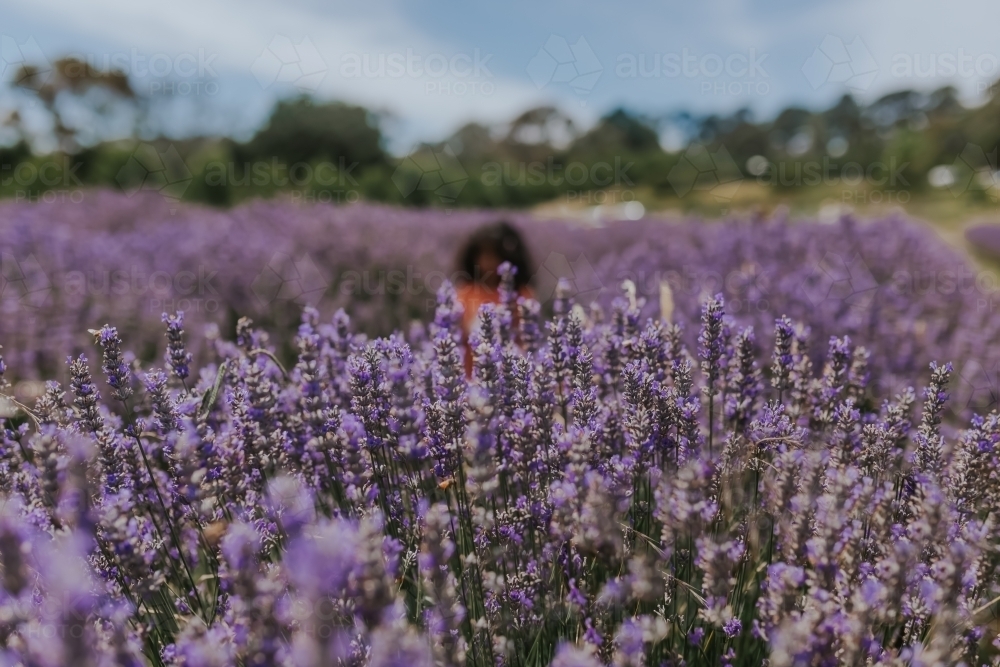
[[479, 279]]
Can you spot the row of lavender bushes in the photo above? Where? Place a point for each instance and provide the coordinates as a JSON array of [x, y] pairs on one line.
[[598, 494], [71, 266]]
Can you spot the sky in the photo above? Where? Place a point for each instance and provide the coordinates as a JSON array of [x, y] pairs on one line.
[[431, 67]]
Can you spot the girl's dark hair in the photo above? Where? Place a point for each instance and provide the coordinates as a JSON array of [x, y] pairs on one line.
[[503, 240]]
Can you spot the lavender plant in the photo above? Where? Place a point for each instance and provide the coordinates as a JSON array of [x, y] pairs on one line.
[[573, 501], [890, 285]]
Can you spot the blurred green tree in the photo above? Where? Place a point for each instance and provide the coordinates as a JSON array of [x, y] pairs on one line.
[[301, 130]]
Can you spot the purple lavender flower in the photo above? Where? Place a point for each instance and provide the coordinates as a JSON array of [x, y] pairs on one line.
[[164, 410], [743, 382], [782, 359], [177, 357], [51, 406], [712, 348], [929, 449], [711, 340], [118, 374], [372, 504], [86, 396]]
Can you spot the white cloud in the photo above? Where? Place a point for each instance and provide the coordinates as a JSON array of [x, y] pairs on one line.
[[917, 44], [430, 107], [234, 36]]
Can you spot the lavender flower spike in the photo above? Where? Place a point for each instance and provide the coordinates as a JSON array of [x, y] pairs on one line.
[[177, 357], [117, 371], [782, 359]]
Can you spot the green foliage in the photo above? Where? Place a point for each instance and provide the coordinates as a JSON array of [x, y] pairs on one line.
[[334, 152], [302, 130]]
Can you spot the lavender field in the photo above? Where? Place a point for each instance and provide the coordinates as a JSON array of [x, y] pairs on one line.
[[743, 442], [891, 284]]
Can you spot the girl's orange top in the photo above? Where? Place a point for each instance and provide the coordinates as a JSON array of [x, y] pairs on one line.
[[472, 296]]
